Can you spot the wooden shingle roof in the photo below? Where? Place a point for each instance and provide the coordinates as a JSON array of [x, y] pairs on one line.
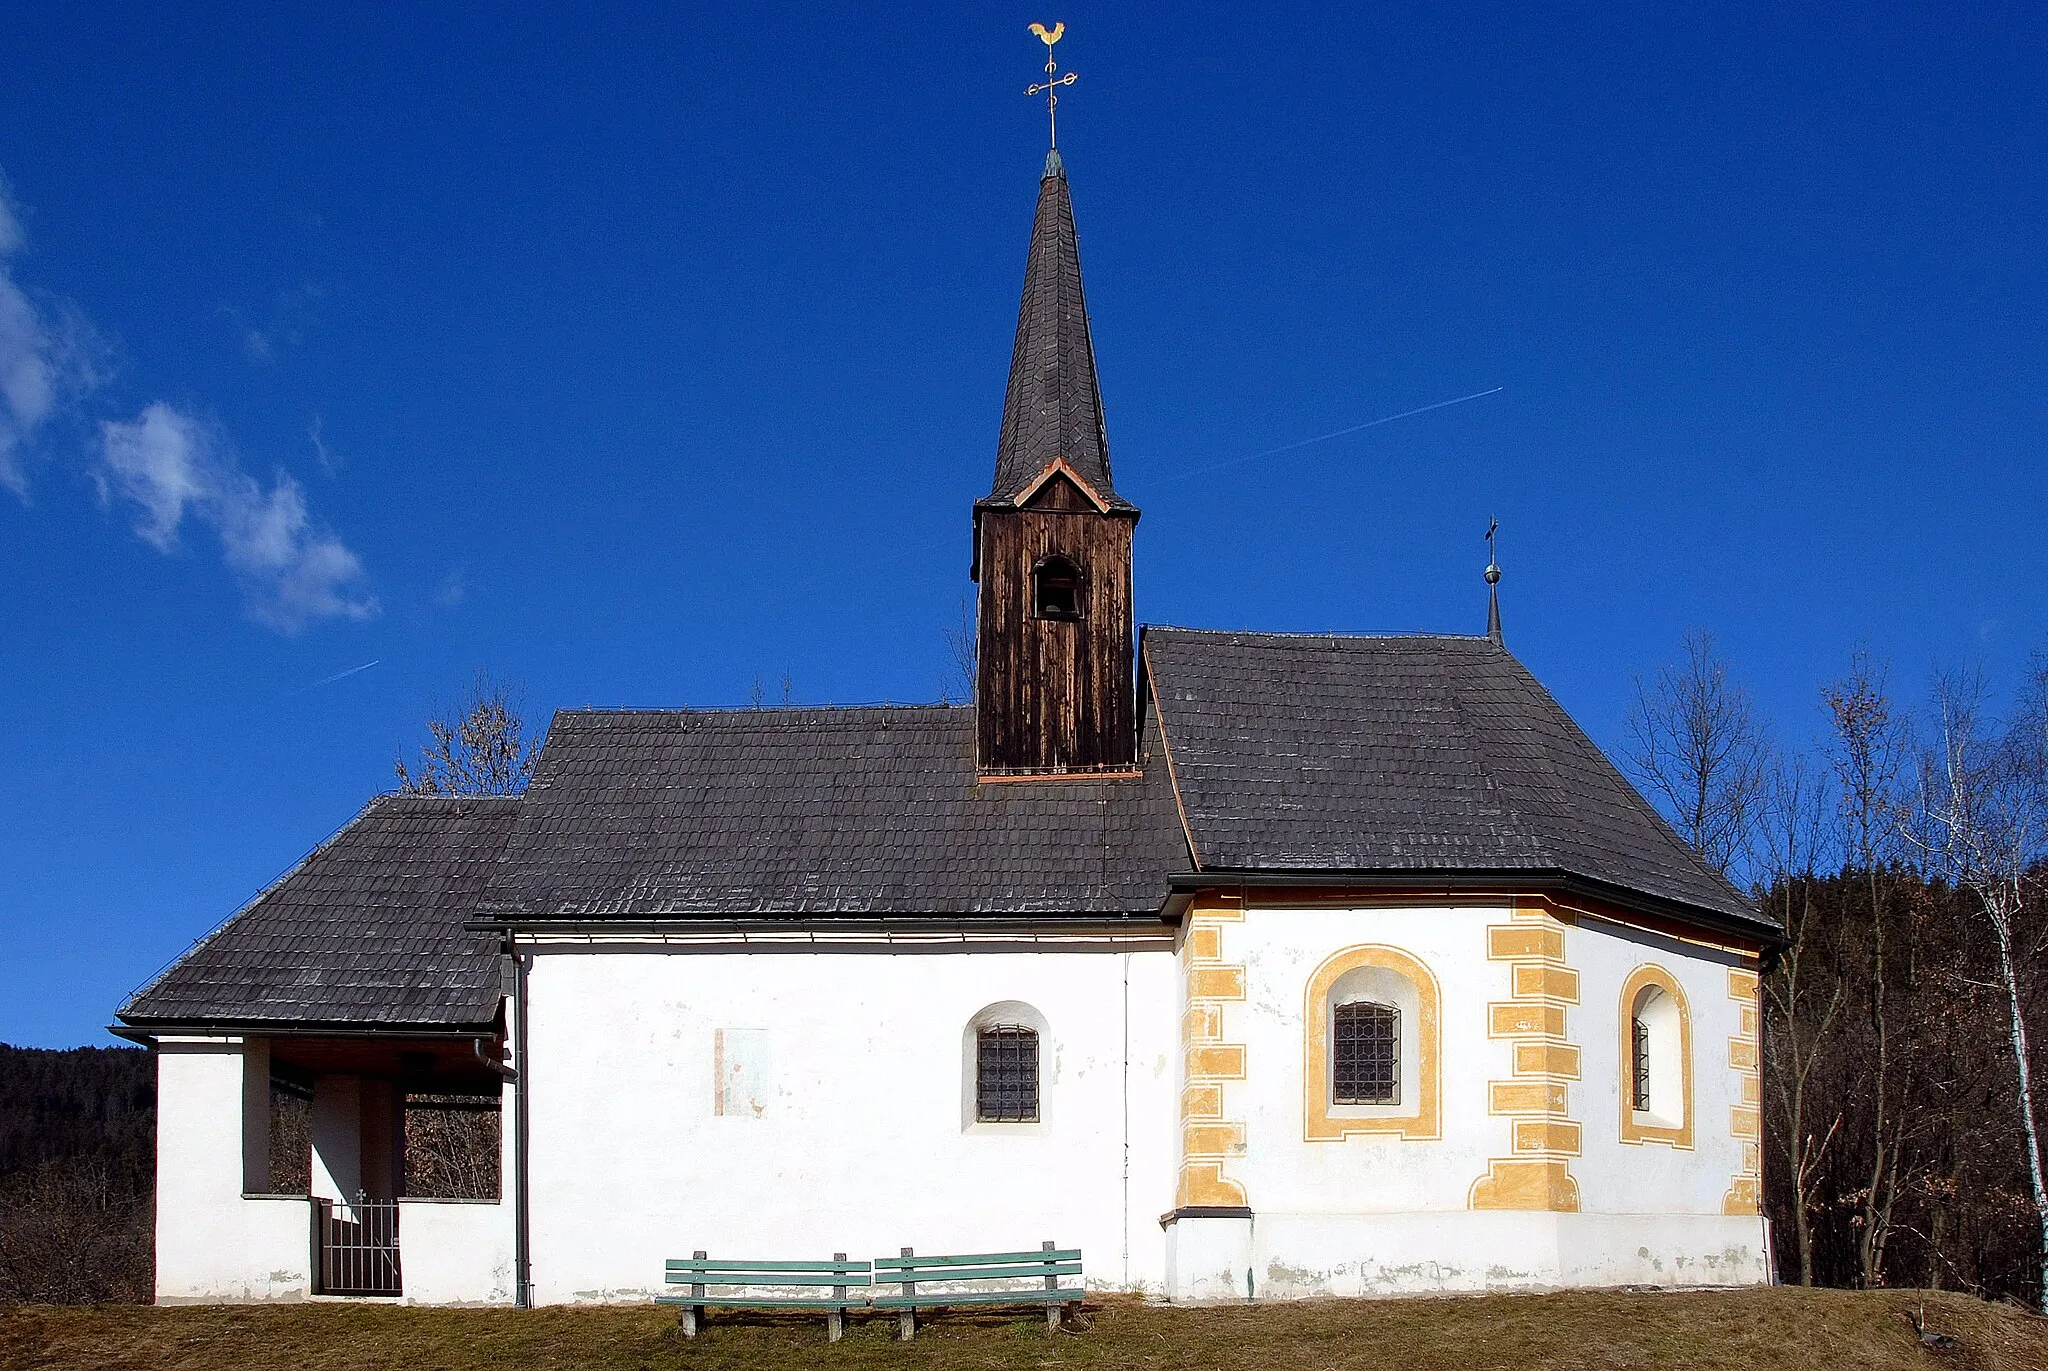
[[866, 811], [1359, 762], [365, 931], [1406, 755]]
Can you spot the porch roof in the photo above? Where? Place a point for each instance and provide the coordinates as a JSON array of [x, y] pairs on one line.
[[366, 931]]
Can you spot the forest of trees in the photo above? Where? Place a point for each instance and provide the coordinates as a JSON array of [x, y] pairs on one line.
[[1904, 853], [77, 1174]]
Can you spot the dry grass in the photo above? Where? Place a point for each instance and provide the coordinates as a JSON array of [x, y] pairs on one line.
[[1597, 1331]]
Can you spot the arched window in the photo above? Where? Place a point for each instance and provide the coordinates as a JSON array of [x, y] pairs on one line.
[[1056, 589], [1656, 1059], [1370, 1047], [1365, 1054], [1006, 1074]]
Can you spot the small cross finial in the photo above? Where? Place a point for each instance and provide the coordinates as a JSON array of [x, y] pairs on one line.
[[1493, 585], [1050, 86]]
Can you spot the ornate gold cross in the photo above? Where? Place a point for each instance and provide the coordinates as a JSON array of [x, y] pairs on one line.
[[1050, 86]]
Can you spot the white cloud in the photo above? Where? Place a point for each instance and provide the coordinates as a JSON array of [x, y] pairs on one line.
[[46, 355], [171, 467]]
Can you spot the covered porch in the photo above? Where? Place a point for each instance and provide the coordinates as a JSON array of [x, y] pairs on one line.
[[333, 1165]]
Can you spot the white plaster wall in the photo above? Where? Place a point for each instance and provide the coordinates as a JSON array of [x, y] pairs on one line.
[[1280, 949], [1388, 1215], [859, 1145], [1651, 1177], [455, 1251], [1296, 1255], [212, 1244]]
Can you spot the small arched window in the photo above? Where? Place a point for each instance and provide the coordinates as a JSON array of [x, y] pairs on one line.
[[1056, 589], [1006, 1074], [1372, 1030], [1656, 1059], [1365, 1061]]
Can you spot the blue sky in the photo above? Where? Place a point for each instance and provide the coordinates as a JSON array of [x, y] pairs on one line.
[[635, 353]]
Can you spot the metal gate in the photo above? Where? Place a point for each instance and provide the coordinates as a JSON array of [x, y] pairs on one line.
[[358, 1247]]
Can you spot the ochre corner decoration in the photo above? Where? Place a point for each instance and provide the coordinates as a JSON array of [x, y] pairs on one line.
[[1423, 1119], [1745, 1122], [1207, 1139], [1537, 1096]]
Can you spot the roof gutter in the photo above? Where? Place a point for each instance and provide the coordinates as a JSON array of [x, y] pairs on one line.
[[837, 923], [147, 1032], [1546, 882]]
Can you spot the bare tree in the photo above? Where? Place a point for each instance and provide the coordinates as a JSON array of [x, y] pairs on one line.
[[1697, 748], [1804, 992], [1983, 822], [479, 747], [958, 682], [1870, 745]]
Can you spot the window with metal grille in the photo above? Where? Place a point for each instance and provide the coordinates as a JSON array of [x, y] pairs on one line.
[[1006, 1075], [1365, 1067], [1639, 1065]]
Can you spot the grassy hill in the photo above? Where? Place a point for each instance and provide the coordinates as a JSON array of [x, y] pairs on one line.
[[1756, 1330]]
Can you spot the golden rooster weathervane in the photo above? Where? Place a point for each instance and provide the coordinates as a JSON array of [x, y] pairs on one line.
[[1050, 86]]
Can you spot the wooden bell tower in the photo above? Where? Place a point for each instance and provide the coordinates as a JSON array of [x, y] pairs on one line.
[[1052, 540]]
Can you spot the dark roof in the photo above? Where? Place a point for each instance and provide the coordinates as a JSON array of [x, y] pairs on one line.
[[1053, 408], [1409, 754], [873, 810], [367, 930]]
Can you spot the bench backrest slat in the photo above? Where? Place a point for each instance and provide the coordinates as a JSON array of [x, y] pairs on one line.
[[932, 1268], [981, 1273], [767, 1278], [717, 1268]]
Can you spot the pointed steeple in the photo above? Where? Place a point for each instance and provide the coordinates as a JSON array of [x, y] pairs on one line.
[[1053, 409], [1054, 684]]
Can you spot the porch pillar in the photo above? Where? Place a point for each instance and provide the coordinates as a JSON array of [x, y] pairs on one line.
[[383, 1134], [337, 1127]]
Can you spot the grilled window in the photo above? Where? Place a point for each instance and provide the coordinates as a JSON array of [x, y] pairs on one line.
[[1639, 1088], [1056, 589], [1006, 1075], [1365, 1067]]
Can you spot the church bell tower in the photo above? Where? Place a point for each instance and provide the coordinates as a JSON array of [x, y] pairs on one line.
[[1054, 662]]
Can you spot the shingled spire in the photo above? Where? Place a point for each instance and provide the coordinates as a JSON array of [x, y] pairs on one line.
[[1053, 409], [1052, 540]]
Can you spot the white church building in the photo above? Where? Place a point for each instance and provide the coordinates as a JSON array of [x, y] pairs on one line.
[[1254, 965]]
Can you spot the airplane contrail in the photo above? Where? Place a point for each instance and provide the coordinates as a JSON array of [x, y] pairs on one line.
[[339, 675], [1337, 433]]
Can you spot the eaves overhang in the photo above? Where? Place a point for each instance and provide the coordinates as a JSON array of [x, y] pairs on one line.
[[146, 1031], [1768, 937]]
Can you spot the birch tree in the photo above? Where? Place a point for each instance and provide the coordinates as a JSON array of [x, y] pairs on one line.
[[1983, 822]]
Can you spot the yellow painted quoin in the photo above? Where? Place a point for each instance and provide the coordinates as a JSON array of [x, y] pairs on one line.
[[1745, 1122], [1209, 1140], [1536, 1097]]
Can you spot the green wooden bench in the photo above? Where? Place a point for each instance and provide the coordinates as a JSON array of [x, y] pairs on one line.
[[917, 1275], [849, 1282]]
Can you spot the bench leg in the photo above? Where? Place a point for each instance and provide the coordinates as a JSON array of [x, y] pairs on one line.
[[1052, 1315], [689, 1320], [835, 1324], [906, 1325]]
